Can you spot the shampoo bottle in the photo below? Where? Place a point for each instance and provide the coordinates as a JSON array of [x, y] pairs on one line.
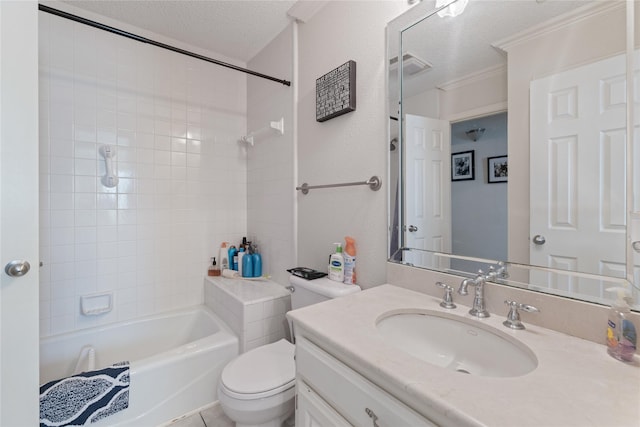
[[336, 264], [257, 262], [350, 261], [233, 258], [247, 265], [241, 255], [223, 256], [621, 333]]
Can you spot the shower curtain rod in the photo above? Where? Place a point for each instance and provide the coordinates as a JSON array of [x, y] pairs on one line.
[[132, 36]]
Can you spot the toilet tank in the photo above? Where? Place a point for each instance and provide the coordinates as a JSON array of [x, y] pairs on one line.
[[307, 292]]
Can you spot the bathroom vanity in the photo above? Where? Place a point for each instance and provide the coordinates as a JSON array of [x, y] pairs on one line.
[[354, 368]]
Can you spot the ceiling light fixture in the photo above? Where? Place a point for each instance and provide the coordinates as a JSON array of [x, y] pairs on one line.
[[454, 9], [475, 133]]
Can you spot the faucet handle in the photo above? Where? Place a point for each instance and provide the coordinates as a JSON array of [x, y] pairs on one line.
[[513, 317], [447, 300], [502, 270]]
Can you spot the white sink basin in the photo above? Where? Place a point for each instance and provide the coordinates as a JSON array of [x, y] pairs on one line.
[[456, 343]]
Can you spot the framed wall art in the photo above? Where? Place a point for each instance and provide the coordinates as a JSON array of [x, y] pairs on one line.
[[463, 166], [336, 92], [497, 169]]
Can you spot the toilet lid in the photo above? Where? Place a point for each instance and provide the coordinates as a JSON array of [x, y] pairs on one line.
[[263, 369]]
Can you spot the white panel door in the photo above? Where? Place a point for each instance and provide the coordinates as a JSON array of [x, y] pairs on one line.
[[19, 212], [427, 160], [578, 138]]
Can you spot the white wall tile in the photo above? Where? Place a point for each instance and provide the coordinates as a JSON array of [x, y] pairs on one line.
[[101, 89], [253, 312], [61, 165], [61, 201], [85, 184], [87, 167], [61, 148]]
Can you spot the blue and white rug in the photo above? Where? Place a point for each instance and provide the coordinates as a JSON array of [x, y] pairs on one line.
[[85, 398]]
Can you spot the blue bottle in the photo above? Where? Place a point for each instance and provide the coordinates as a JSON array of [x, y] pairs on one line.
[[257, 263], [233, 258], [247, 265]]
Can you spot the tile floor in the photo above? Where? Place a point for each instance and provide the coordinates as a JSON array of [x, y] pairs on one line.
[[210, 417], [214, 417]]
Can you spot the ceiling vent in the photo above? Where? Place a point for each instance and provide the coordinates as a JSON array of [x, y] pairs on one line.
[[411, 64]]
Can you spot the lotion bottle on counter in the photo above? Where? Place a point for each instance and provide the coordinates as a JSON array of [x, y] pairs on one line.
[[621, 333], [336, 264]]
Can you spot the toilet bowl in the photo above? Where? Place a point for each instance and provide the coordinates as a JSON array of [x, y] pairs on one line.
[[257, 388]]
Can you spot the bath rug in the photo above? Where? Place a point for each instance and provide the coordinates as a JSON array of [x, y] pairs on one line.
[[85, 398]]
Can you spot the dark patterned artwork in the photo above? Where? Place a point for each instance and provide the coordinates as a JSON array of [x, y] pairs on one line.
[[336, 92]]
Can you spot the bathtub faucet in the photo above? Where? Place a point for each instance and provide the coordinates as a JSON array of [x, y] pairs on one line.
[[478, 308]]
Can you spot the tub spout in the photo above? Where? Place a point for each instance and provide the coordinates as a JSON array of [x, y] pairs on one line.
[[87, 359]]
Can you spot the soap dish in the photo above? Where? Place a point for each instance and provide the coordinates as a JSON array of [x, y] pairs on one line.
[[92, 305]]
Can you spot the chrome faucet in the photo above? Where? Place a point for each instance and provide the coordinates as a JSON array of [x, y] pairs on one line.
[[478, 308]]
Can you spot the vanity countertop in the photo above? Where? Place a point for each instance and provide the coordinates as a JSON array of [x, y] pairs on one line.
[[576, 383]]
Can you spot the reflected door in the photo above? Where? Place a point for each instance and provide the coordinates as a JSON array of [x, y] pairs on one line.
[[427, 160], [578, 137]]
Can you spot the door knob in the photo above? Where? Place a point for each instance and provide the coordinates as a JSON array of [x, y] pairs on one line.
[[413, 228], [539, 240], [17, 268]]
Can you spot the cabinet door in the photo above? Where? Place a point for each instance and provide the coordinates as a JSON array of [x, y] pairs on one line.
[[313, 411], [353, 396]]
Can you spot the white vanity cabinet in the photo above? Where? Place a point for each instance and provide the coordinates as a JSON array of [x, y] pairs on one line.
[[313, 411], [329, 393], [347, 371]]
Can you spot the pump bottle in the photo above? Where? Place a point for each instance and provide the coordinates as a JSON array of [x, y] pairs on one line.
[[621, 333], [336, 264], [213, 268]]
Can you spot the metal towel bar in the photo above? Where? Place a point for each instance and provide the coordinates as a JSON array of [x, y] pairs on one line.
[[374, 183]]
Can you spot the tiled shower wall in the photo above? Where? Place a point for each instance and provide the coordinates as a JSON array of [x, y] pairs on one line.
[[175, 124]]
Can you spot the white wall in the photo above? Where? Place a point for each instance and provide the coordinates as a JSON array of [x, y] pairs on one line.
[[478, 208], [352, 147], [175, 122], [270, 162]]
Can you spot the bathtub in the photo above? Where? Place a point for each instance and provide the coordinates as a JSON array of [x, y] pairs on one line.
[[176, 360]]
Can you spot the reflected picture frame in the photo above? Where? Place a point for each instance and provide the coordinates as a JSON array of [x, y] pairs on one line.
[[463, 166], [497, 169]]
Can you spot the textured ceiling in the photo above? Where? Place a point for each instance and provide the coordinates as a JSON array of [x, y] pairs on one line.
[[237, 29]]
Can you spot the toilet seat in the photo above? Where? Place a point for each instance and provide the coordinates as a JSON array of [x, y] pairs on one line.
[[259, 373]]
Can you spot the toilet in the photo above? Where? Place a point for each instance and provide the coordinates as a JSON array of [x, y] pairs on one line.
[[257, 388]]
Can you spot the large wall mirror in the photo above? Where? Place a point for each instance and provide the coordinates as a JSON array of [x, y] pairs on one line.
[[508, 142]]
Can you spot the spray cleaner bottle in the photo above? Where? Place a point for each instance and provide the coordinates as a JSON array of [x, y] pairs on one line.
[[350, 261], [621, 333]]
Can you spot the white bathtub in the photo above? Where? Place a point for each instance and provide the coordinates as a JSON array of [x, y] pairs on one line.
[[176, 360]]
